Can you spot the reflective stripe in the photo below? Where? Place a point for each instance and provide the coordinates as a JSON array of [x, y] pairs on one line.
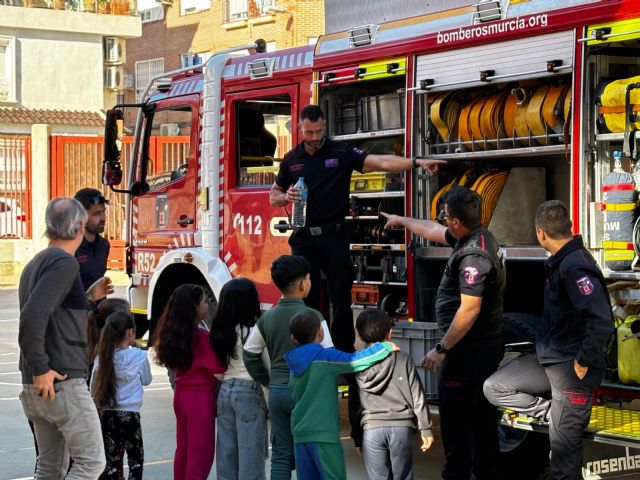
[[617, 245], [618, 255], [618, 187], [618, 207]]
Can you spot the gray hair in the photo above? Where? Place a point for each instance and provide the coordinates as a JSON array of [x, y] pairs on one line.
[[65, 217]]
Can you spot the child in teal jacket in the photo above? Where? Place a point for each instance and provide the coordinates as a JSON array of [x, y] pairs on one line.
[[315, 420]]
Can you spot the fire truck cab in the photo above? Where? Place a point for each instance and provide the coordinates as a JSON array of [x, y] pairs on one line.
[[205, 153]]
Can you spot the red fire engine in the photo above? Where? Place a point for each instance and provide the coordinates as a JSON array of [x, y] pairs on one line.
[[512, 93]]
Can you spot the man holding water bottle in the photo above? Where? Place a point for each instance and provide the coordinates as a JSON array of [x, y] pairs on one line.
[[326, 167]]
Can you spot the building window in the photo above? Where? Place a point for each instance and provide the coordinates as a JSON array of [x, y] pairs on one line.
[[145, 71], [237, 10], [152, 14], [264, 5], [193, 6], [7, 69], [312, 40]]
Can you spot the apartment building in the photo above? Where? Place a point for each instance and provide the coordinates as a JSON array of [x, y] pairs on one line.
[[175, 30]]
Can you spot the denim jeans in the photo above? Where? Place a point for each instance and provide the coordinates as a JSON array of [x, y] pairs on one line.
[[242, 431], [388, 453], [280, 406], [69, 425]]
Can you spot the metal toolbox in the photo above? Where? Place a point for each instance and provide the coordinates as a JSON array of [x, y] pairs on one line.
[[348, 118], [383, 112], [365, 295]]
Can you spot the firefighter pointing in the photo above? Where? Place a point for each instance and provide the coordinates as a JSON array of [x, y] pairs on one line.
[[326, 166], [469, 310]]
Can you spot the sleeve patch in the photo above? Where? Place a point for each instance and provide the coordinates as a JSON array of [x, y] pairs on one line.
[[357, 150], [585, 287], [470, 275]]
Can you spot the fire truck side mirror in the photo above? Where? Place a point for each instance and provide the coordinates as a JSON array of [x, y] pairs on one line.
[[111, 167]]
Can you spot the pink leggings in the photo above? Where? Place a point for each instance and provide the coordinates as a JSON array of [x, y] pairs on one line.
[[195, 433]]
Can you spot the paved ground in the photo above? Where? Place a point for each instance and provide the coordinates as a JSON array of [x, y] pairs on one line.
[[16, 443]]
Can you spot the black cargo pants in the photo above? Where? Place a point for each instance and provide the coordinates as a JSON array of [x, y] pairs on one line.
[[522, 384], [468, 422], [329, 252]]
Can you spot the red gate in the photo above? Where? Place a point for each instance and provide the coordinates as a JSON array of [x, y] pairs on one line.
[[15, 186]]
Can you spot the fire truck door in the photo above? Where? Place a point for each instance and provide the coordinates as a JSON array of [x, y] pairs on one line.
[[262, 127], [164, 217]]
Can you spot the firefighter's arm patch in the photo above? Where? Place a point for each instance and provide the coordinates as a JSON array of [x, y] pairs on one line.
[[585, 286], [470, 275]]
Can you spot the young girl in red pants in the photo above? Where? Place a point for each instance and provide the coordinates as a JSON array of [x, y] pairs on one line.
[[182, 344]]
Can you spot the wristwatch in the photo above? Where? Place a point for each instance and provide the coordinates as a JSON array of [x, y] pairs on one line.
[[440, 348], [414, 160]]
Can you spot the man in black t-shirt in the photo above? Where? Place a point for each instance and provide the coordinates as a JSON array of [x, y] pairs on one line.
[[326, 166], [469, 310], [93, 253]]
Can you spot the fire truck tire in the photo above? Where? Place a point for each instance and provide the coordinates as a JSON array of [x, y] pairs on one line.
[[211, 299], [519, 327], [523, 455], [142, 324]]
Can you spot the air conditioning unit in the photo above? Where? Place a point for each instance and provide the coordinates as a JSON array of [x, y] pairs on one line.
[[165, 2], [113, 78], [129, 81], [169, 129], [114, 50]]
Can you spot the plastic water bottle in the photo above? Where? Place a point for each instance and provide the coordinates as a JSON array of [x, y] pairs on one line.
[[299, 216]]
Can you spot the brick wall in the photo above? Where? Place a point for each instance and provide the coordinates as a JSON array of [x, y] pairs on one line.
[[205, 31]]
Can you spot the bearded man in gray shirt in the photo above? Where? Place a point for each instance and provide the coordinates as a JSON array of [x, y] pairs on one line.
[[53, 350]]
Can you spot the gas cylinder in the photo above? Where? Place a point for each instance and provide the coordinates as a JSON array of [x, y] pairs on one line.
[[629, 350]]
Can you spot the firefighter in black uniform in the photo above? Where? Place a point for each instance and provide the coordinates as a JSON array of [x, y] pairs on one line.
[[469, 310], [93, 253], [326, 167], [577, 324]]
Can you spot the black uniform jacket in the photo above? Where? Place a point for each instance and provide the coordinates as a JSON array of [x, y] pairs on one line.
[[93, 257], [577, 319]]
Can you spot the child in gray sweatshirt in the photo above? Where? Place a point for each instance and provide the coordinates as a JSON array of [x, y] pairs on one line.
[[393, 406]]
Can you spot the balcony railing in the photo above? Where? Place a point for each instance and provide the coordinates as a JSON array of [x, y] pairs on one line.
[[235, 10], [109, 7]]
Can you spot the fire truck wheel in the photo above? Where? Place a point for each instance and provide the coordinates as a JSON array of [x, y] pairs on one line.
[[211, 298], [519, 327]]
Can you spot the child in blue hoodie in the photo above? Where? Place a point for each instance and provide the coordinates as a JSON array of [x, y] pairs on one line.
[[315, 420], [119, 372]]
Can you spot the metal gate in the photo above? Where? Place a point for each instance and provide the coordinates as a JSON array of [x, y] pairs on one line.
[[15, 186]]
